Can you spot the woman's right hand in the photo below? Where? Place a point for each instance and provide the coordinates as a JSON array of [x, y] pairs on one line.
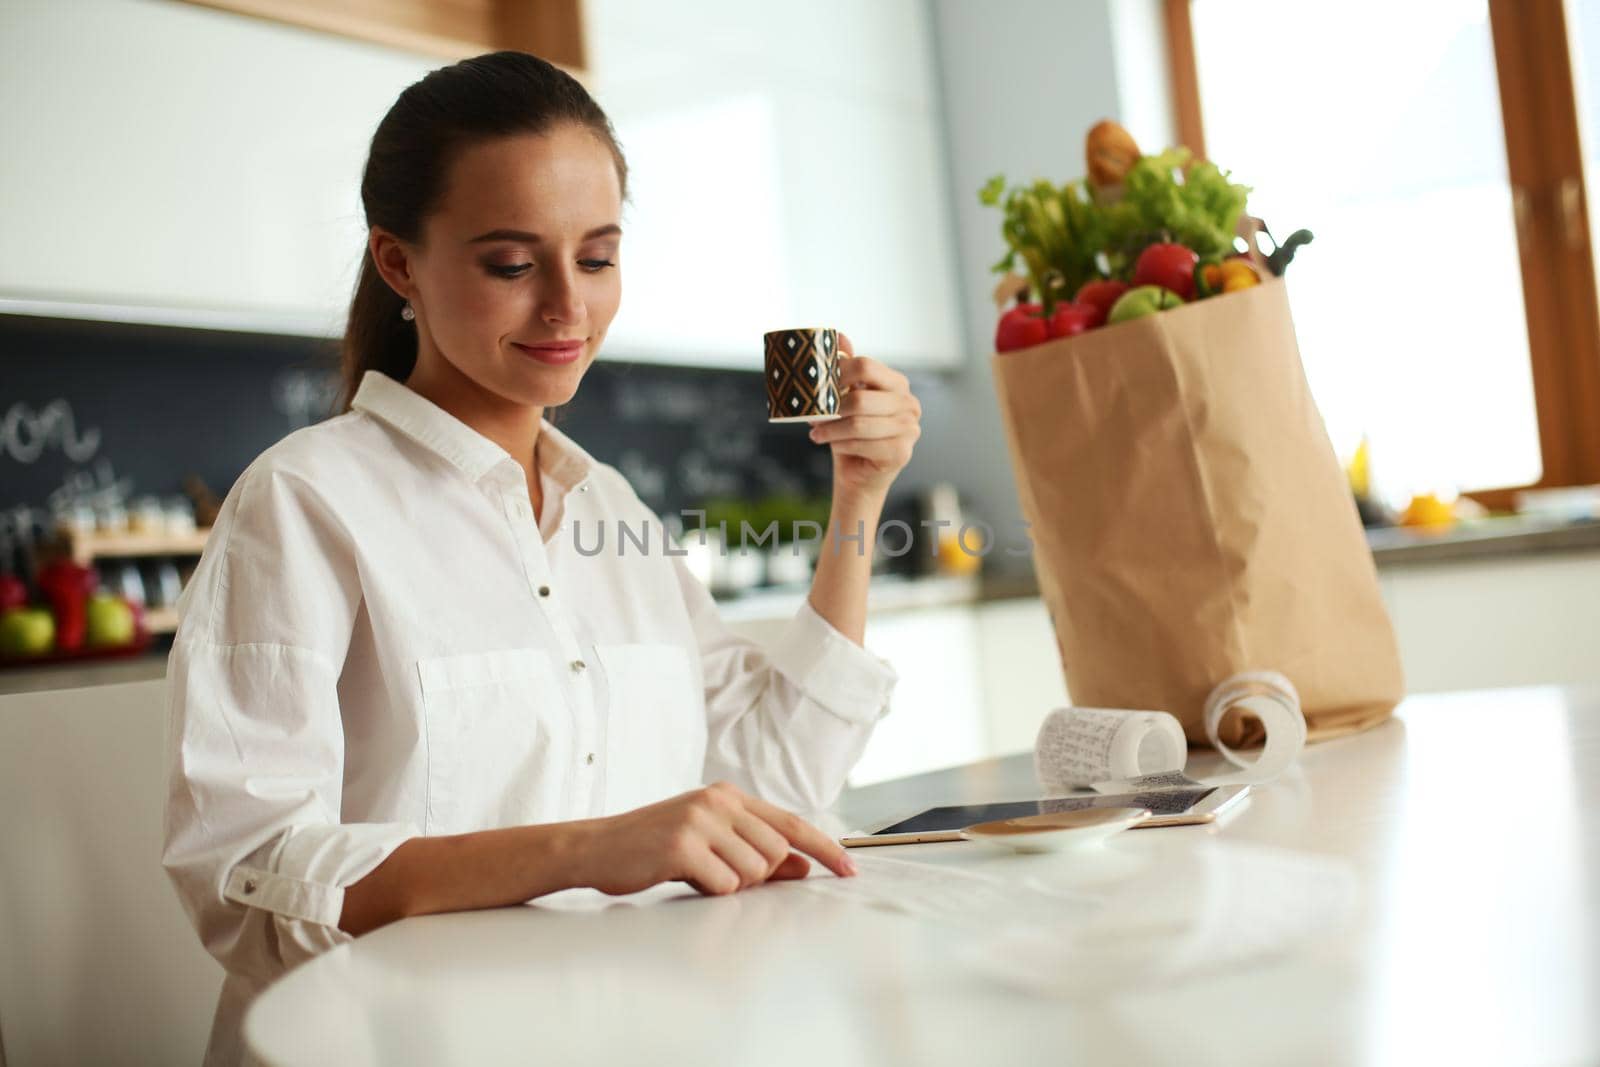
[[718, 839]]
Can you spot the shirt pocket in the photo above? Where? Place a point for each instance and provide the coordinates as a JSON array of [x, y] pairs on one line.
[[656, 724], [497, 732]]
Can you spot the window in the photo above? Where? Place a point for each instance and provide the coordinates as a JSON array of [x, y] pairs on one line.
[[1440, 312], [1583, 16]]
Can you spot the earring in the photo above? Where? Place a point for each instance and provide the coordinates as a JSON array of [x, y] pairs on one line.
[[406, 312]]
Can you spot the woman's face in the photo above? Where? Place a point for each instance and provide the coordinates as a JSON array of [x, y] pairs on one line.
[[522, 253]]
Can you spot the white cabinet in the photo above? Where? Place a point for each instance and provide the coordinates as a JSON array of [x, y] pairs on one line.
[[169, 163], [936, 716], [786, 169], [166, 162], [1022, 675], [1483, 623]]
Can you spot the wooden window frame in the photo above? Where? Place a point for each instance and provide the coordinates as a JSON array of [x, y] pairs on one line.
[[1544, 157]]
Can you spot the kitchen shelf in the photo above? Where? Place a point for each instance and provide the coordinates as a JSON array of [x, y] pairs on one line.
[[86, 548], [552, 29]]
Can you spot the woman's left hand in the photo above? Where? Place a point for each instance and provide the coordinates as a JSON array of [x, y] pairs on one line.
[[879, 422]]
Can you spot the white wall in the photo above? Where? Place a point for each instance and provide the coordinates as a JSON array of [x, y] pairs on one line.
[[1020, 83]]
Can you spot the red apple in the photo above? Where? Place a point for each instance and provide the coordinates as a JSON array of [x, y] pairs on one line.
[[1100, 295], [1070, 319], [13, 593], [1021, 327], [1170, 266]]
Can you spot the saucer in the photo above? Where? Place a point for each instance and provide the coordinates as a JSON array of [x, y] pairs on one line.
[[1056, 831]]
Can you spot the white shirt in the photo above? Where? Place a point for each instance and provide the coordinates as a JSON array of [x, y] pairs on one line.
[[379, 642]]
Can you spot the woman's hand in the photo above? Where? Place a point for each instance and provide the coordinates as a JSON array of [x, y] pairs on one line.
[[878, 425], [717, 839]]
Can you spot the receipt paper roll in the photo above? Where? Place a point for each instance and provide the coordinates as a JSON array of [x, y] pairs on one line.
[[1102, 747], [1080, 746], [1273, 699]]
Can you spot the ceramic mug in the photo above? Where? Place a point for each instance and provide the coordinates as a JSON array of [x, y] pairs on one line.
[[802, 371]]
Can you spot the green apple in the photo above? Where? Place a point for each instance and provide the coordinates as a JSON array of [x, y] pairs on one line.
[[27, 632], [1145, 300], [110, 621]]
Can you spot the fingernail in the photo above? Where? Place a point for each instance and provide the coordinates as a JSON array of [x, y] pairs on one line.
[[849, 866]]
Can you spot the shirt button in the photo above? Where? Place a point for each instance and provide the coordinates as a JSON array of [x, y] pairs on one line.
[[590, 758], [578, 665], [544, 590], [249, 886]]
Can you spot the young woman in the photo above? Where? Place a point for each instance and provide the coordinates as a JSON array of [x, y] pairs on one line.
[[396, 687]]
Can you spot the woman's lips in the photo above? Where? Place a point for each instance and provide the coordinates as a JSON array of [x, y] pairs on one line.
[[553, 352]]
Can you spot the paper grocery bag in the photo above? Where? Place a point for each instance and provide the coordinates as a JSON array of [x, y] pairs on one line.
[[1189, 519]]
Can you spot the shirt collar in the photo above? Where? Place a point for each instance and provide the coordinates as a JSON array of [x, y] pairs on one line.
[[453, 440]]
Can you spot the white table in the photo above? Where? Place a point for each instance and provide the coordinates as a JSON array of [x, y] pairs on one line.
[[1475, 938]]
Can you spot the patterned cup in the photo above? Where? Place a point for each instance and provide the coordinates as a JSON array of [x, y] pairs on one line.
[[802, 375]]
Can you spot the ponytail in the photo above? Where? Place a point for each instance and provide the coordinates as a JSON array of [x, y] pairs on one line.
[[376, 338], [476, 100]]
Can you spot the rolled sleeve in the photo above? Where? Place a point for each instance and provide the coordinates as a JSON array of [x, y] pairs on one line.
[[835, 672], [254, 842], [310, 868], [785, 722]]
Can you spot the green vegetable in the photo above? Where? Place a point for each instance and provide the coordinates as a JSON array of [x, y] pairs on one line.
[[1198, 209], [1056, 232], [1064, 237]]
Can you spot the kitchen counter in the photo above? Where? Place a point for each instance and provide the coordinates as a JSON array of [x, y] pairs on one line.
[[1482, 538], [1460, 935], [86, 673], [889, 594], [1394, 549]]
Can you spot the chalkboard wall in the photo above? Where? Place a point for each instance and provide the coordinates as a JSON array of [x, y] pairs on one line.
[[136, 409]]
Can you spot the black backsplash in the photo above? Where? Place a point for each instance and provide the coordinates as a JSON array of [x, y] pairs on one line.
[[92, 405]]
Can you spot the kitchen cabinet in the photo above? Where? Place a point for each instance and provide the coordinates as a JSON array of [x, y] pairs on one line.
[[171, 163], [1511, 621], [191, 166], [787, 168], [1022, 676], [936, 716]]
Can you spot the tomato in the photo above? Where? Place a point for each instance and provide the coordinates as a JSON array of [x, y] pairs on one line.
[[1100, 295], [1070, 319], [1170, 266], [1021, 327]]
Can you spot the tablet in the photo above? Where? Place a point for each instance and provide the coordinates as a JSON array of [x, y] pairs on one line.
[[1168, 807]]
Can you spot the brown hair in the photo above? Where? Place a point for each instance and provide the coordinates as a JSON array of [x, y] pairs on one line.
[[453, 108]]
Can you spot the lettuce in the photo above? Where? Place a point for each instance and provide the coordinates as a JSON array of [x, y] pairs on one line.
[[1161, 201], [1065, 237]]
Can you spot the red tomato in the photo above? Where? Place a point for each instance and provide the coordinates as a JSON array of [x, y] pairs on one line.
[[1021, 327], [1069, 319], [1169, 266], [1100, 295]]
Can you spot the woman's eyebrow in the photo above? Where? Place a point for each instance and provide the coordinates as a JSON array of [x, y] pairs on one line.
[[533, 238]]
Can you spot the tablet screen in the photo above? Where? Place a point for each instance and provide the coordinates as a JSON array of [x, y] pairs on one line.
[[1165, 802]]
